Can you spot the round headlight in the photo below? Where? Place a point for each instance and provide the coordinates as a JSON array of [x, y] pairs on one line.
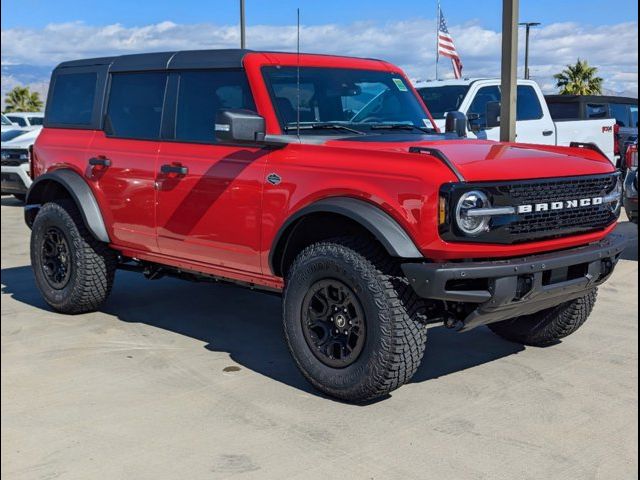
[[470, 224]]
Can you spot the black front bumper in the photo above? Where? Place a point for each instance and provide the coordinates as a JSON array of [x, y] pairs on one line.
[[12, 183], [505, 289]]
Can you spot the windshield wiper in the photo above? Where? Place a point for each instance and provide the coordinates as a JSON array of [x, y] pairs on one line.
[[397, 126], [321, 126]]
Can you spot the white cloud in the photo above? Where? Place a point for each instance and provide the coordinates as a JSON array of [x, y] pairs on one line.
[[410, 44]]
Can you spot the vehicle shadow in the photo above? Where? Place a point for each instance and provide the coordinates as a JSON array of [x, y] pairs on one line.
[[629, 230], [246, 324]]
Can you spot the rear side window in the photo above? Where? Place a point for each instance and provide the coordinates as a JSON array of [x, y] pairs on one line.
[[634, 116], [201, 95], [18, 120], [528, 104], [597, 110], [72, 99], [564, 111], [35, 120], [135, 105], [620, 112]]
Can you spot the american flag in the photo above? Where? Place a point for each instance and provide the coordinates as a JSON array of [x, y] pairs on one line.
[[446, 48]]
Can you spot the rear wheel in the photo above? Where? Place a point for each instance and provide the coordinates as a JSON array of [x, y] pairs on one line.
[[548, 326], [73, 271], [352, 325]]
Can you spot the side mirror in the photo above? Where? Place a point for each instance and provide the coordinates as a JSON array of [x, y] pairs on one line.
[[474, 121], [239, 126], [456, 122], [493, 114]]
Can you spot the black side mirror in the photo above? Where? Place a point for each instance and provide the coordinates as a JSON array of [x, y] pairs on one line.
[[493, 114], [239, 126], [474, 121], [456, 122]]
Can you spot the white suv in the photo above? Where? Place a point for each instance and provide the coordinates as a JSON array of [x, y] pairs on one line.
[[15, 161]]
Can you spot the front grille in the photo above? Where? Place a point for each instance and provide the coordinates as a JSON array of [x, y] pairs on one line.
[[555, 223], [559, 190], [12, 157], [534, 226]]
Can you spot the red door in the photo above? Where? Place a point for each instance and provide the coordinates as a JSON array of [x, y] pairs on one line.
[[210, 212], [123, 178]]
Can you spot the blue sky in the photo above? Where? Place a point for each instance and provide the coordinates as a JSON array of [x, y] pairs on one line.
[[38, 34], [38, 13]]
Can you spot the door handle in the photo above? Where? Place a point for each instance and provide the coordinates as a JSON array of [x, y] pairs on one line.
[[178, 169], [100, 161], [546, 133]]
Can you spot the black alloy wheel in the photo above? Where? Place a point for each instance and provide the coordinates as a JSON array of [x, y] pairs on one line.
[[333, 323], [56, 262]]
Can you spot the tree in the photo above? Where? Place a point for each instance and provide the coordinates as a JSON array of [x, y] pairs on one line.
[[21, 99], [579, 79]]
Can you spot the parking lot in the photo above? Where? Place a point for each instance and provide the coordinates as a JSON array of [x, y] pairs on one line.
[[181, 380]]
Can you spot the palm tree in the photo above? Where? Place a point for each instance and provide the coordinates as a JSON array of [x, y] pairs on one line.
[[21, 99], [579, 79]]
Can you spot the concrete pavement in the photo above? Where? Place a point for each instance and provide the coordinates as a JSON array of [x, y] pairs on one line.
[[176, 380]]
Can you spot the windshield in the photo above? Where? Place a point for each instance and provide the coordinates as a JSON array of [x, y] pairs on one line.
[[11, 134], [351, 101], [6, 121], [440, 100]]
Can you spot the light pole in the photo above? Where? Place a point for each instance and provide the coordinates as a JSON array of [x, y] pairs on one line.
[[527, 26], [243, 40], [510, 12]]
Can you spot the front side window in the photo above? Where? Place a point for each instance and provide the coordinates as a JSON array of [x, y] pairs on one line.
[[201, 95], [478, 106], [72, 99], [18, 120], [597, 110], [325, 99], [440, 100], [135, 105], [620, 112]]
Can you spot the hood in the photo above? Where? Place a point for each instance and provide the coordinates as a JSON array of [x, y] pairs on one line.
[[23, 141], [482, 160]]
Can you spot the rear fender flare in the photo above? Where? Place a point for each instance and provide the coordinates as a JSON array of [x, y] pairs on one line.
[[78, 190]]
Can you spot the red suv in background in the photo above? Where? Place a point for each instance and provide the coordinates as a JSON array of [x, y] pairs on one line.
[[322, 177]]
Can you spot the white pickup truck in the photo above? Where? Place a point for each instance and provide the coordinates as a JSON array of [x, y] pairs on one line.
[[479, 100]]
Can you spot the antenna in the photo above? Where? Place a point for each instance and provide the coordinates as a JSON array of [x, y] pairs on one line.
[[298, 80]]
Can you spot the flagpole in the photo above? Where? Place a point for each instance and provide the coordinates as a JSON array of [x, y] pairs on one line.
[[437, 40]]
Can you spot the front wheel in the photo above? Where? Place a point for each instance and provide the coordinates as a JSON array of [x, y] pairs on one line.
[[73, 271], [352, 326], [548, 326]]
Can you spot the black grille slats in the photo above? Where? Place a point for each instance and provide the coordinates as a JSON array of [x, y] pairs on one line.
[[556, 223], [12, 157]]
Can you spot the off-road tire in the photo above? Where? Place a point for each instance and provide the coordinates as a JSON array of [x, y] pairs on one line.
[[549, 326], [92, 263], [395, 329]]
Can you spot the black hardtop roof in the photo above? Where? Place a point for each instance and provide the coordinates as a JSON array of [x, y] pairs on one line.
[[590, 98], [228, 58], [185, 59]]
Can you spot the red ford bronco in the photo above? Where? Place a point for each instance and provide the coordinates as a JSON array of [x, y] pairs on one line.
[[324, 178]]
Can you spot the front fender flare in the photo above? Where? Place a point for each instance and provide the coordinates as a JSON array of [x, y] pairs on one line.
[[79, 191], [380, 224]]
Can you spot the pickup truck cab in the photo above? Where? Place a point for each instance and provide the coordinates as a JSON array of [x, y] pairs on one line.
[[480, 99], [323, 179]]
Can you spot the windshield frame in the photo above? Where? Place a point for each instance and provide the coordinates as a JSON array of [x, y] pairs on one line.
[[426, 125]]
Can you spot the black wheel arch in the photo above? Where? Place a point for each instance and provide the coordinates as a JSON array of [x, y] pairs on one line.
[[63, 183], [357, 213]]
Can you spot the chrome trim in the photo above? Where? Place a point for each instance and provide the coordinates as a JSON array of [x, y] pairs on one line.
[[490, 212]]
